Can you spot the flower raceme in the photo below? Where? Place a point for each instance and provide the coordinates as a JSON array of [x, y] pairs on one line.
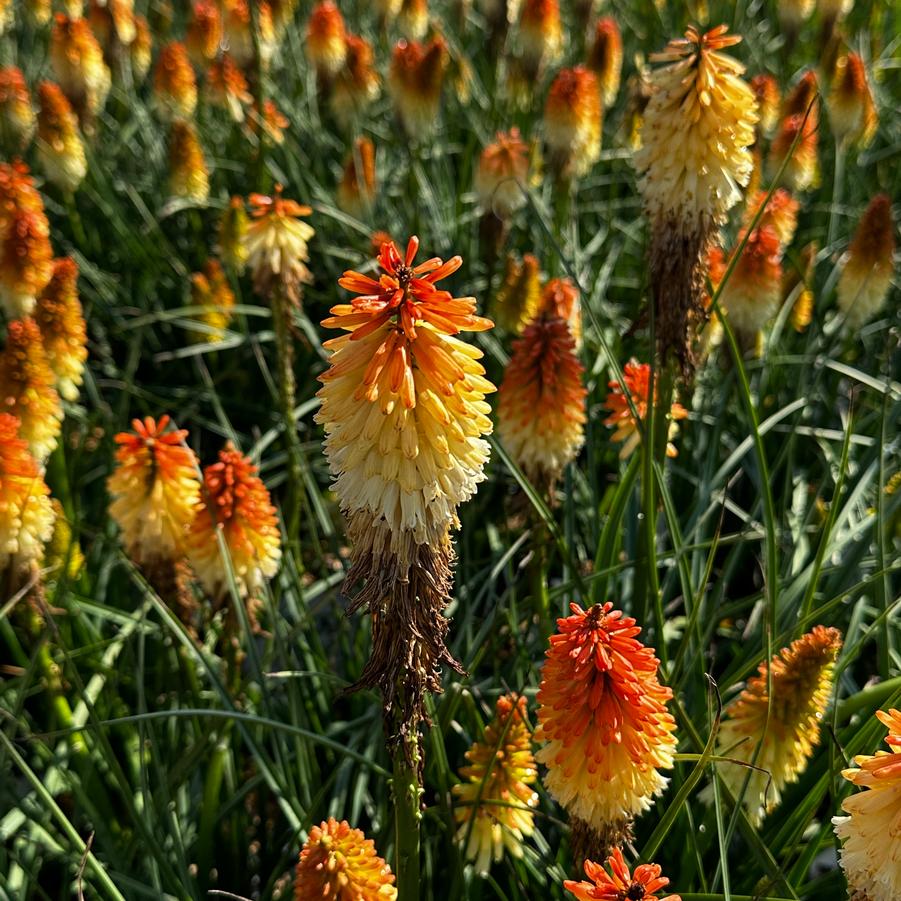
[[637, 379], [541, 414], [700, 104], [518, 299], [494, 803], [780, 214], [325, 45], [766, 90], [871, 845], [786, 728], [404, 411], [605, 58], [852, 109], [415, 81], [227, 88], [211, 292], [338, 863], [275, 244], [77, 61], [603, 719], [16, 115], [357, 83], [26, 516], [155, 491], [238, 509], [357, 188], [232, 237], [60, 148], [189, 177], [572, 122], [619, 884], [502, 174], [867, 273], [174, 84]]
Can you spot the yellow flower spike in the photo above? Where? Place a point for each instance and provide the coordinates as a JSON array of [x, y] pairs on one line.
[[204, 35], [17, 119], [539, 35], [26, 514], [60, 148], [802, 682], [239, 509], [518, 298], [189, 177], [27, 388], [211, 291], [59, 317], [233, 226], [141, 49], [325, 46], [572, 122], [769, 99], [494, 802], [413, 19], [340, 863], [404, 411], [174, 83], [78, 64], [699, 104], [871, 845], [503, 174], [603, 719], [605, 58]]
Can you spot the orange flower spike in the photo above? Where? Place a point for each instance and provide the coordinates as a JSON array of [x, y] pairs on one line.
[[155, 490], [495, 799], [519, 297], [17, 118], [204, 35], [769, 98], [26, 261], [572, 122], [604, 721], [560, 297], [227, 88], [237, 30], [637, 378], [415, 80], [540, 33], [356, 85], [788, 728], [619, 884], [781, 214], [357, 189], [605, 58], [852, 109], [141, 49], [174, 84], [867, 272], [326, 48], [413, 19], [272, 123], [77, 61], [60, 148], [59, 317], [503, 173], [340, 863], [752, 295], [211, 291], [870, 844], [26, 515], [541, 415], [800, 173], [27, 388], [239, 509], [803, 96], [189, 177]]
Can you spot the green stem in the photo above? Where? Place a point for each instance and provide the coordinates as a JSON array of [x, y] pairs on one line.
[[212, 788], [407, 792], [838, 182]]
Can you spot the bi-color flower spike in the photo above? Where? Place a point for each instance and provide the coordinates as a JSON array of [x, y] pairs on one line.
[[325, 43], [357, 84], [211, 292], [539, 35], [605, 58], [699, 104], [518, 299], [404, 411], [141, 49], [793, 14], [357, 188], [189, 177], [494, 804], [17, 120], [867, 273], [60, 148], [800, 159], [572, 122], [204, 35], [26, 258], [415, 81], [79, 67], [59, 317], [789, 728], [156, 493], [413, 19], [637, 378], [174, 84], [604, 722], [541, 414], [227, 88], [26, 516], [232, 236], [276, 244], [560, 297], [27, 388], [239, 510], [340, 863], [871, 843], [503, 174], [852, 109], [781, 214], [643, 883], [769, 99]]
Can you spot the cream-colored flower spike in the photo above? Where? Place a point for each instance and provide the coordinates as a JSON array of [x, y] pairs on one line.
[[694, 158]]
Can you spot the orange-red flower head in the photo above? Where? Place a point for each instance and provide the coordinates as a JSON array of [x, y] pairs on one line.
[[226, 87], [752, 294], [560, 297], [605, 58], [174, 84], [539, 34], [603, 719], [26, 259], [769, 98], [503, 173], [781, 214], [16, 115], [356, 84], [572, 122], [852, 109], [27, 388], [340, 863], [326, 48], [78, 65], [59, 317], [155, 491], [60, 148], [357, 189], [204, 35], [867, 273], [619, 884], [415, 80], [189, 177], [238, 510], [637, 378]]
